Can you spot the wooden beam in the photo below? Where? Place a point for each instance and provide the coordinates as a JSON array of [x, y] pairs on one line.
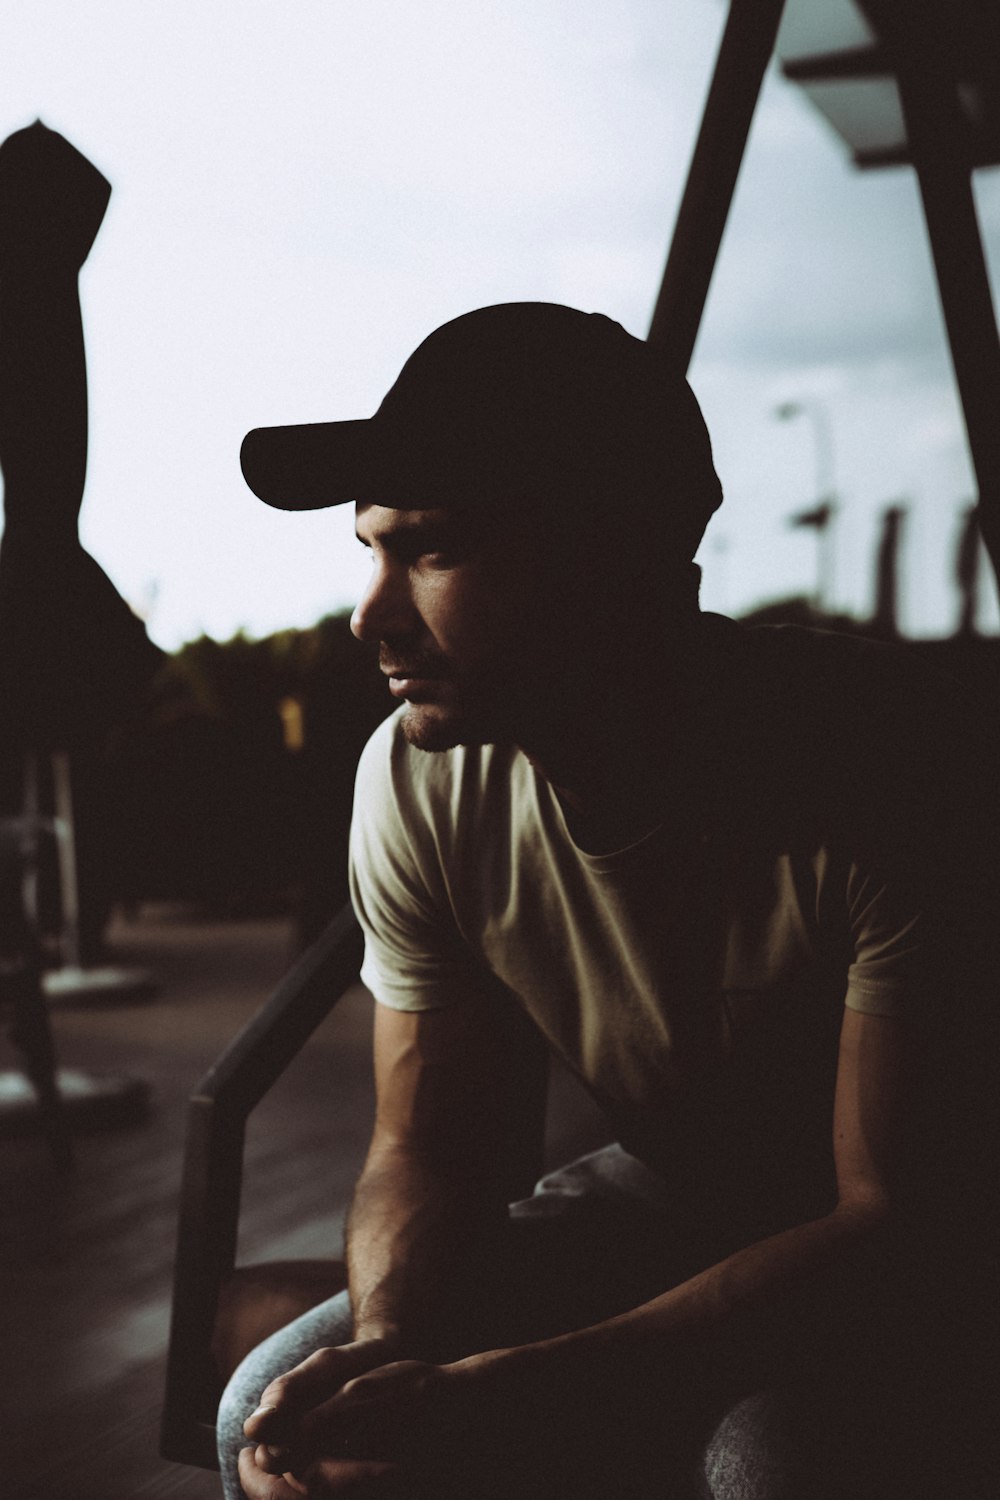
[[940, 150], [836, 67], [744, 52]]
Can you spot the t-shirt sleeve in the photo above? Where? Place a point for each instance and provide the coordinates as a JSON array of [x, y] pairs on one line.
[[891, 936], [415, 957], [909, 882]]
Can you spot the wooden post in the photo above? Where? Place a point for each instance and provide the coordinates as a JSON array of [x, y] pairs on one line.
[[940, 152], [744, 52]]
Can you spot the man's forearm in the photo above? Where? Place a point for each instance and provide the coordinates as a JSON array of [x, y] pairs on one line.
[[415, 1231], [751, 1320]]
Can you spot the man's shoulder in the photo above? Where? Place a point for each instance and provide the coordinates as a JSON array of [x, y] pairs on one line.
[[859, 690], [872, 729], [798, 655]]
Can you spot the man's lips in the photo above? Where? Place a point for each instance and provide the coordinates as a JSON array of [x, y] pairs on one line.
[[411, 682]]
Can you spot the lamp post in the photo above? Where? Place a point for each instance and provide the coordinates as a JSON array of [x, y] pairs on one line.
[[822, 513]]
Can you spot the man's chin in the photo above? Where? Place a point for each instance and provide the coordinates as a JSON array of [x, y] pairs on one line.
[[431, 727]]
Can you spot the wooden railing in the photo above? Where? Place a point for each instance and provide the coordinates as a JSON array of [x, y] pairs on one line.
[[212, 1175]]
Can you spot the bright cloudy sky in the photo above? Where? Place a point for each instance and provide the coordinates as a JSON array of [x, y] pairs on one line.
[[304, 188]]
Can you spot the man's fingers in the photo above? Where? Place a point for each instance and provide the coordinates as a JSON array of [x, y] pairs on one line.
[[309, 1383], [391, 1413], [325, 1479], [296, 1390], [273, 1459], [260, 1486]]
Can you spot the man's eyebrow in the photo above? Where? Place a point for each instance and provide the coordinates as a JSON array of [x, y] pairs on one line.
[[404, 532]]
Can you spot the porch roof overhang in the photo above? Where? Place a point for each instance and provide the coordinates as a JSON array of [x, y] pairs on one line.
[[848, 57], [903, 82]]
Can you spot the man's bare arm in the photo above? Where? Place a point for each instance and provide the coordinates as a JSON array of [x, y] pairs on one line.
[[750, 1318], [434, 1187], [458, 1092], [610, 1390]]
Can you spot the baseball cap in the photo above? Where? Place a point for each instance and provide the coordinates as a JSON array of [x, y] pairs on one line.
[[521, 404]]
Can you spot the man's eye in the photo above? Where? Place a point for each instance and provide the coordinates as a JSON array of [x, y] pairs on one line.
[[448, 557], [436, 554]]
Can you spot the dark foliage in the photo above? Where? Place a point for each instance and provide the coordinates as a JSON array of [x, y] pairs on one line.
[[233, 787]]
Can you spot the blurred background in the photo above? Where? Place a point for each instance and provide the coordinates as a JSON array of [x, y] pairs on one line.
[[300, 194]]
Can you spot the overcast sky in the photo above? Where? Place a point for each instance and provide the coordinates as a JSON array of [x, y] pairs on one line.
[[303, 190]]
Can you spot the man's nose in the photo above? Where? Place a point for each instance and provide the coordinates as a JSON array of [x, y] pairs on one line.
[[386, 608]]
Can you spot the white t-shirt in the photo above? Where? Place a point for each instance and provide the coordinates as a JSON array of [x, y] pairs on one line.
[[694, 980]]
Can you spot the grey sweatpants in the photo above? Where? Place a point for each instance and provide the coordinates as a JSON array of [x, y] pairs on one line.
[[597, 1237]]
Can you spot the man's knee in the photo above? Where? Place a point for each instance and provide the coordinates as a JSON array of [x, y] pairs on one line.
[[823, 1443], [328, 1324]]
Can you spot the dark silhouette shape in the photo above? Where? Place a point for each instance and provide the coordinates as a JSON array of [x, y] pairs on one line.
[[968, 570], [74, 660], [885, 619], [73, 657]]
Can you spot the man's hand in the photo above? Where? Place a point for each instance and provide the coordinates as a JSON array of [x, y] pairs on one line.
[[287, 1400], [346, 1445], [407, 1428], [496, 1424], [386, 1432], [289, 1397], [378, 1481]]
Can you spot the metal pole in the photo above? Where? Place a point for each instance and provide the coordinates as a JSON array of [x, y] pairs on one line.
[[939, 151], [825, 495], [69, 890], [30, 841], [744, 53]]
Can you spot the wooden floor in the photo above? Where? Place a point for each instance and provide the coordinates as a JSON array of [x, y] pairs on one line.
[[85, 1261]]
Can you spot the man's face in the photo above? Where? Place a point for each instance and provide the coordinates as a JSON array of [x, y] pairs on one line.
[[465, 631]]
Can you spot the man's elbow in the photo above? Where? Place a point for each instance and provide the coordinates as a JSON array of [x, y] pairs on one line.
[[889, 1237]]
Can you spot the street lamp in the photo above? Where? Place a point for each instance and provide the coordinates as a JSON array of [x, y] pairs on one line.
[[821, 515]]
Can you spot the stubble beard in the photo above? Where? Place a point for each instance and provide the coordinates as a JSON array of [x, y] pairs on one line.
[[426, 727], [467, 716]]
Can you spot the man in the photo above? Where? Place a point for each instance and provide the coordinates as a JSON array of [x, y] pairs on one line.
[[674, 846]]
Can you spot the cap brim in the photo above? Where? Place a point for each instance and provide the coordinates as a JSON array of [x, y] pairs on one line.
[[310, 466]]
